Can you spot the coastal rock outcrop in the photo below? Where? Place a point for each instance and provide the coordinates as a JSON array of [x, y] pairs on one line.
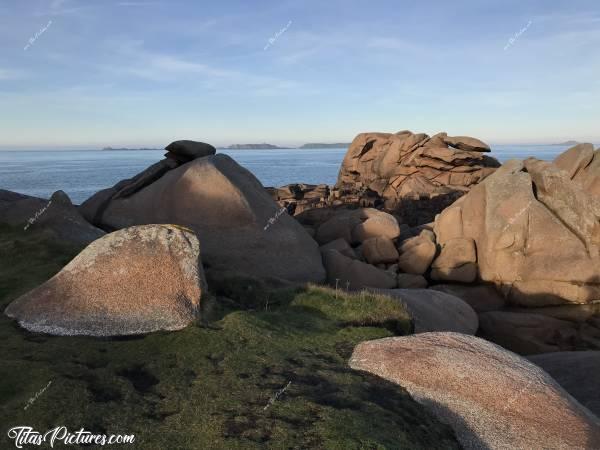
[[137, 280], [413, 174], [240, 227], [491, 397], [56, 216], [536, 232]]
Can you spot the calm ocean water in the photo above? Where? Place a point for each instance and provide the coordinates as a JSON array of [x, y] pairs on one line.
[[82, 173]]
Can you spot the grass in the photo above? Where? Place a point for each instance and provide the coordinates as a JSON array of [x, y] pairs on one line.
[[212, 386]]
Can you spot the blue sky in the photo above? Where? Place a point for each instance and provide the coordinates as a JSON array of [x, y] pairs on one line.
[[144, 73]]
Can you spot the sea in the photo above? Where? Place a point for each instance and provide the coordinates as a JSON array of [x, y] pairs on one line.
[[81, 173]]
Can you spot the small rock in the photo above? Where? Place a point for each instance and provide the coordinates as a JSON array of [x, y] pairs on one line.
[[191, 149], [416, 254], [379, 250]]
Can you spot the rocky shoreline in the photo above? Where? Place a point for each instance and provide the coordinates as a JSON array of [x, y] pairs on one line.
[[474, 251]]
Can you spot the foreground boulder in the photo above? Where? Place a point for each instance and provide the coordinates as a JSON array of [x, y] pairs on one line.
[[57, 216], [413, 174], [132, 281], [239, 225], [436, 311], [577, 372], [536, 232], [491, 397]]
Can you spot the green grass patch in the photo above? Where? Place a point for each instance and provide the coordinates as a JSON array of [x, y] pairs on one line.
[[214, 386]]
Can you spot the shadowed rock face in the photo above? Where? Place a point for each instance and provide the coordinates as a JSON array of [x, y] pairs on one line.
[[491, 397], [396, 170], [240, 227], [577, 373], [57, 216], [536, 231], [132, 281], [432, 310]]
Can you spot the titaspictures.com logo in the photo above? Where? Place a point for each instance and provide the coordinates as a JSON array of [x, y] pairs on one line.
[[28, 436]]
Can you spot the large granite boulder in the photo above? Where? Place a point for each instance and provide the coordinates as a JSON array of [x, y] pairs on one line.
[[239, 225], [492, 398], [536, 232], [137, 280], [436, 311], [577, 372], [414, 174], [57, 216]]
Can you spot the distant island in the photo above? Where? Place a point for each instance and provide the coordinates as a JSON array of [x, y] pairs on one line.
[[122, 149], [568, 143], [263, 146], [319, 145]]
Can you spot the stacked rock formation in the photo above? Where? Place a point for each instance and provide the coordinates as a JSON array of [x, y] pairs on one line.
[[240, 227], [412, 174], [178, 153]]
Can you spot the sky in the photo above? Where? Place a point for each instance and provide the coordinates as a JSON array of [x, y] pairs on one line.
[[95, 73]]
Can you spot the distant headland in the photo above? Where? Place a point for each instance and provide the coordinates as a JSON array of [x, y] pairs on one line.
[[262, 146], [571, 143], [320, 145], [265, 146], [126, 149]]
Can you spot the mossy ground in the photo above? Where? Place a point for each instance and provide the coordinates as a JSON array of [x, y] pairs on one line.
[[212, 385]]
